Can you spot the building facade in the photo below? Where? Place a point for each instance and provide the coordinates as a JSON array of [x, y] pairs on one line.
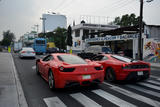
[[82, 31], [152, 31], [52, 21], [28, 39]]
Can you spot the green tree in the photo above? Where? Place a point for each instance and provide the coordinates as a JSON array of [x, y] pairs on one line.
[[59, 37], [8, 37], [69, 36], [127, 20]]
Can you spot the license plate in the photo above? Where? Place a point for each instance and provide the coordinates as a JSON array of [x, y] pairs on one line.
[[140, 73], [86, 77]]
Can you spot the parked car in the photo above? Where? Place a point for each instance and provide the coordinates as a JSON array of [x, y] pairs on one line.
[[92, 51], [64, 70], [96, 49], [27, 52], [122, 68], [52, 50]]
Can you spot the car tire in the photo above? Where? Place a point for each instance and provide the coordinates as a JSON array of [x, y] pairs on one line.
[[37, 69], [51, 81], [110, 75]]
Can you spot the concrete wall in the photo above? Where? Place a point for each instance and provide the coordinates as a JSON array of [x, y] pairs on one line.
[[152, 31]]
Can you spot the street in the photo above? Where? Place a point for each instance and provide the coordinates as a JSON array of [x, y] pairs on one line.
[[38, 94]]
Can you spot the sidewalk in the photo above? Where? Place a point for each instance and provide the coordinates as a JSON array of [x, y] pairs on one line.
[[11, 93]]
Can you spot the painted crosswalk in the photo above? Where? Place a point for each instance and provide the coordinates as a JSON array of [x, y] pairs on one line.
[[54, 102], [117, 101], [149, 87], [84, 100]]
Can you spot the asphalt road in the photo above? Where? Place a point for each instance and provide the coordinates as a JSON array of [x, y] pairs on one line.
[[38, 94]]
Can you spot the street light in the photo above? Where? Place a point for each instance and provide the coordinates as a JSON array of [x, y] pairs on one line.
[[140, 29], [43, 19]]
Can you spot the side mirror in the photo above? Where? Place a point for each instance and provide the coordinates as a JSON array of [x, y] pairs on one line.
[[38, 60]]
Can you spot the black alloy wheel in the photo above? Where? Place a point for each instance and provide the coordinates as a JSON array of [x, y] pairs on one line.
[[110, 75], [51, 81]]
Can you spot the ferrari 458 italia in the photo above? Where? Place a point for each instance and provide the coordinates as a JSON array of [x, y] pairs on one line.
[[62, 70], [122, 68]]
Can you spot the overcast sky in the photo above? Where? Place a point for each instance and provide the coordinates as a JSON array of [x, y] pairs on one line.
[[19, 16]]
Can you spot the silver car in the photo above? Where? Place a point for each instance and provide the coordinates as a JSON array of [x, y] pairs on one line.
[[27, 52]]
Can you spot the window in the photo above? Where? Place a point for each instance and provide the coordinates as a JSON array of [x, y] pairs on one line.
[[104, 58], [121, 58], [71, 59], [48, 58], [86, 33], [77, 33], [40, 41], [106, 50], [92, 35]]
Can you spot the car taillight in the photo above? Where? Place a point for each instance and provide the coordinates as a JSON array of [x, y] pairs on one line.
[[62, 69], [33, 52], [126, 66], [23, 52], [99, 68]]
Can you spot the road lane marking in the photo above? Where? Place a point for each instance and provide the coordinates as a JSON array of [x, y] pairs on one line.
[[84, 100], [134, 95], [34, 67], [153, 93], [154, 82], [156, 77], [54, 102], [113, 99], [149, 85]]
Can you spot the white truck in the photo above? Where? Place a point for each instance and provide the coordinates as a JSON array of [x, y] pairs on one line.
[[17, 46]]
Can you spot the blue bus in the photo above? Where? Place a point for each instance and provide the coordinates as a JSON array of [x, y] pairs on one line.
[[40, 45]]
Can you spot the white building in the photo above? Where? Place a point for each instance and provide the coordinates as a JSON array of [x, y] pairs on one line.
[[28, 39], [82, 31], [52, 21]]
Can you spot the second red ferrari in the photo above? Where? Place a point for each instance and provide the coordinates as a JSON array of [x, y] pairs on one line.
[[122, 68]]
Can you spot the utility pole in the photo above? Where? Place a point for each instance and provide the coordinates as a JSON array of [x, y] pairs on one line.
[[43, 19], [140, 47], [140, 31]]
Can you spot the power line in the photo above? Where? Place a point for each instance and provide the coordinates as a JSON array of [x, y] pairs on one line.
[[67, 4], [122, 6], [60, 4], [64, 4], [114, 4]]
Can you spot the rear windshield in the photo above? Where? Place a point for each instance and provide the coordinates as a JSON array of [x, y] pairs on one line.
[[40, 41], [27, 49], [71, 59], [121, 58]]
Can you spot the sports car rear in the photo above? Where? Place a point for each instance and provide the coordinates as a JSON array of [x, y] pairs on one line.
[[79, 75]]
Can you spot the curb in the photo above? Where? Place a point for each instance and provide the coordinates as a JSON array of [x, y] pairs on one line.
[[21, 98]]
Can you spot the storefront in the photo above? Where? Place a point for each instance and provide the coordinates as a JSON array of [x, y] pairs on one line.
[[126, 44]]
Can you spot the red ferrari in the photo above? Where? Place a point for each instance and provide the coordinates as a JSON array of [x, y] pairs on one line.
[[122, 68], [62, 70]]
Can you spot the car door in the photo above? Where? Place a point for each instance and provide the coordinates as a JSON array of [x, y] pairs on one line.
[[43, 64], [47, 65], [103, 60]]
